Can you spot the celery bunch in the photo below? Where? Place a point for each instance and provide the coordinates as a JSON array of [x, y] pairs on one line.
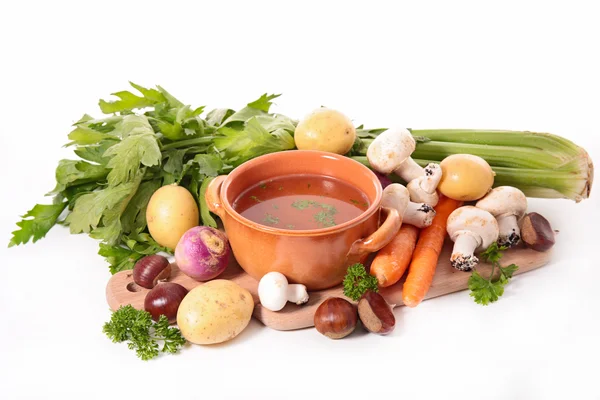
[[540, 164]]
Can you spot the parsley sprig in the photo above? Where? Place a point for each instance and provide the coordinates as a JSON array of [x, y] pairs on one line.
[[358, 281], [142, 334], [485, 291]]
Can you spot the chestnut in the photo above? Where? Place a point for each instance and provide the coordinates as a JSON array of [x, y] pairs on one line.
[[165, 299], [536, 232], [375, 313], [336, 318], [149, 270]]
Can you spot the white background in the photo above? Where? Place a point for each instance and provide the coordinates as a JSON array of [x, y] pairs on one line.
[[509, 65]]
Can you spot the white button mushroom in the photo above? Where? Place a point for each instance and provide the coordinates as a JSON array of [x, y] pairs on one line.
[[471, 229], [397, 196], [422, 189], [508, 205], [391, 150], [274, 291], [419, 214]]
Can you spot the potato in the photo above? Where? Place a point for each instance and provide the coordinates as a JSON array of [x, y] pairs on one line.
[[215, 312], [171, 212], [325, 130]]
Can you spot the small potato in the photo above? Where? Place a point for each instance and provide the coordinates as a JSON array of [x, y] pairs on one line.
[[215, 312], [325, 130], [171, 212]]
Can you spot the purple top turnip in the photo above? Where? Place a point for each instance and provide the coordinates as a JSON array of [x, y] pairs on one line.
[[202, 253]]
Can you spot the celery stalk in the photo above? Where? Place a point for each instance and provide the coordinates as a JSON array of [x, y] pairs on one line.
[[540, 164]]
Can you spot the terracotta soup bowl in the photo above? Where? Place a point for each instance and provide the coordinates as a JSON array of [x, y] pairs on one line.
[[317, 258]]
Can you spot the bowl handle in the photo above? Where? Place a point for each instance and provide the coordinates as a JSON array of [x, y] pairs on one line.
[[378, 239], [213, 196]]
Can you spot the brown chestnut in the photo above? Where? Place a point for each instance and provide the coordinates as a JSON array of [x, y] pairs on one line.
[[150, 270], [165, 299], [376, 314], [336, 318], [536, 232]]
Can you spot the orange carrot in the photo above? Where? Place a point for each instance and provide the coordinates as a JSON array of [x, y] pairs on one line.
[[391, 262], [425, 258]]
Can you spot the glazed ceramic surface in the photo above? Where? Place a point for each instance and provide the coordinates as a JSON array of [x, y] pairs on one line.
[[316, 258]]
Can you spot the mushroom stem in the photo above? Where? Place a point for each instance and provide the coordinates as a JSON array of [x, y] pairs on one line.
[[433, 175], [297, 294], [409, 170], [419, 214], [510, 234], [462, 254]]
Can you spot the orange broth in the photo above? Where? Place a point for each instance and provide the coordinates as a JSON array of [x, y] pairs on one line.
[[301, 202]]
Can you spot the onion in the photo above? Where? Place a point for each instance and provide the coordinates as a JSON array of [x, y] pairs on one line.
[[383, 179], [202, 253]]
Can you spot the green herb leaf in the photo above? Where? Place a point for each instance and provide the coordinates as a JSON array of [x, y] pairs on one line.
[[508, 271], [263, 103], [129, 101], [143, 335], [208, 164], [174, 161], [205, 215], [119, 258], [96, 153], [274, 122], [90, 208], [36, 223], [270, 219], [304, 204], [134, 216], [357, 281], [325, 218], [484, 291], [143, 243], [258, 107], [493, 253], [138, 146], [239, 146], [83, 135], [73, 172], [217, 116]]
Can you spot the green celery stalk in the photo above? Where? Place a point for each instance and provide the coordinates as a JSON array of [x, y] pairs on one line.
[[540, 164]]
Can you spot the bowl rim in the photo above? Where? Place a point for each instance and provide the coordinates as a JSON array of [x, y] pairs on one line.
[[372, 209]]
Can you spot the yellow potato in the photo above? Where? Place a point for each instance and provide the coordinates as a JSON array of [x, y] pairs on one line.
[[465, 177], [171, 212], [214, 312], [325, 130]]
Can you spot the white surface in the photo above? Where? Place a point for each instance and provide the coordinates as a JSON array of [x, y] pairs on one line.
[[512, 66]]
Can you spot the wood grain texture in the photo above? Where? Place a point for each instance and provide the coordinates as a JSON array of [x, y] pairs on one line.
[[121, 290]]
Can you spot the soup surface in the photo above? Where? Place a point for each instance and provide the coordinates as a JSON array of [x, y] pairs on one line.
[[301, 202]]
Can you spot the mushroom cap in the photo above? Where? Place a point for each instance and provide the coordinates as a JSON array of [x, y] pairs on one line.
[[396, 196], [504, 200], [272, 291], [419, 195], [474, 221], [390, 149]]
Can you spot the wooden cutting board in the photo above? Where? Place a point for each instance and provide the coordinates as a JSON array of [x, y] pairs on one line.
[[121, 290]]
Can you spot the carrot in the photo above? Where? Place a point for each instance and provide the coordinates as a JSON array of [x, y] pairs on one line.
[[425, 258], [391, 262]]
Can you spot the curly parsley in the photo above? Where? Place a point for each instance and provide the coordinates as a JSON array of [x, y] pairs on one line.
[[485, 291], [358, 281], [143, 334]]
